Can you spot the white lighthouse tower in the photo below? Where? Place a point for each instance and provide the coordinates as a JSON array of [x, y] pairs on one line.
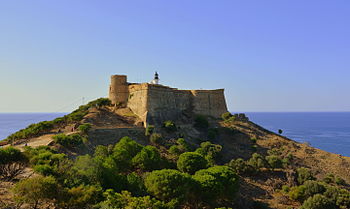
[[156, 79]]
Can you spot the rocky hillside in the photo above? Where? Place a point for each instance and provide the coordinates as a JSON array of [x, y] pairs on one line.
[[263, 169]]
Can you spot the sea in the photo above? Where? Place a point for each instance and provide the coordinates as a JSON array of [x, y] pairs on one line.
[[329, 131]]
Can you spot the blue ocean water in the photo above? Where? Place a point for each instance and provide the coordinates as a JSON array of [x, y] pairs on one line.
[[329, 131], [12, 122]]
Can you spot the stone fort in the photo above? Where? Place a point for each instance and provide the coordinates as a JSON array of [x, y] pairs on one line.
[[154, 103]]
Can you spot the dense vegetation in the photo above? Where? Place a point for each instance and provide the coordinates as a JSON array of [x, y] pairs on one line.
[[165, 174], [125, 175]]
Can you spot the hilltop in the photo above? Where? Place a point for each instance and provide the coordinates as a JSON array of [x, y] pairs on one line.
[[264, 169]]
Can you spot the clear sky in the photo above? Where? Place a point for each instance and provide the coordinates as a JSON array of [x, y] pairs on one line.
[[269, 55]]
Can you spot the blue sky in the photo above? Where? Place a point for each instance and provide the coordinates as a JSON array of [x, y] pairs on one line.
[[272, 55]]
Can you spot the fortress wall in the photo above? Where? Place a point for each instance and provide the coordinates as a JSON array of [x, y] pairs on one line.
[[138, 99], [118, 89], [165, 103], [209, 102]]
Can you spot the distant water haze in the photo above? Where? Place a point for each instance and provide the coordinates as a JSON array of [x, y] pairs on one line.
[[329, 131]]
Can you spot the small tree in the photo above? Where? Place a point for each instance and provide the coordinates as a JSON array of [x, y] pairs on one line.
[[35, 190], [168, 184], [147, 159], [85, 128], [274, 161], [240, 166], [280, 131], [190, 162], [304, 174], [217, 183], [318, 202], [257, 161]]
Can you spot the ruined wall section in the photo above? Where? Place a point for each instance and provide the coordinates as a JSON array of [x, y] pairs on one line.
[[209, 102]]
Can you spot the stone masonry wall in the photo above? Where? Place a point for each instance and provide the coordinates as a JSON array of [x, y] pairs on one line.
[[157, 103]]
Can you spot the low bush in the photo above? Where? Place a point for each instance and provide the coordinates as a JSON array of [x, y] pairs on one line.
[[274, 161], [217, 183], [12, 163], [304, 174], [35, 190], [257, 161], [69, 140], [190, 162], [318, 202], [210, 151], [84, 128], [168, 184], [240, 166], [147, 159], [226, 116]]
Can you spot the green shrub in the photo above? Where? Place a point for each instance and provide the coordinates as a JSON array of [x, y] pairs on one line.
[[69, 140], [217, 183], [147, 159], [84, 128], [209, 151], [175, 150], [44, 169], [149, 130], [318, 202], [240, 166], [201, 122], [83, 196], [168, 184], [257, 161], [126, 200], [329, 178], [35, 190], [308, 189], [124, 151], [183, 145], [339, 181], [11, 154], [156, 138], [135, 184], [274, 161], [226, 116], [304, 174], [169, 126], [12, 163], [285, 188], [341, 197], [190, 162]]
